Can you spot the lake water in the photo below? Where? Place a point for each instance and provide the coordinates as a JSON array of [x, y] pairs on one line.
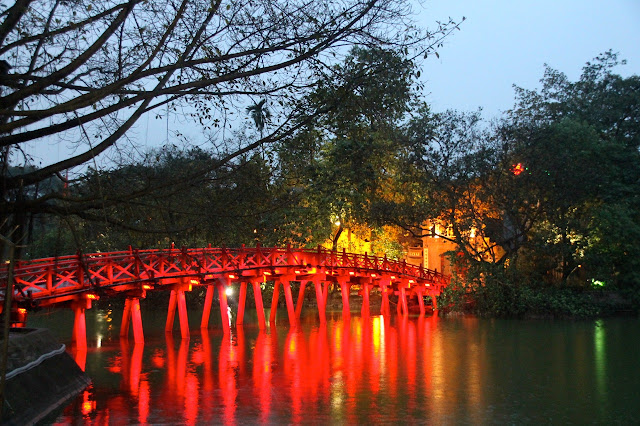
[[358, 370]]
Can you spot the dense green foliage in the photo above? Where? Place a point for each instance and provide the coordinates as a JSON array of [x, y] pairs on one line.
[[543, 205]]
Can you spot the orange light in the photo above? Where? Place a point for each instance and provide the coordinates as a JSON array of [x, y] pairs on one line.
[[88, 407], [298, 272], [232, 276], [208, 277], [146, 287], [267, 273], [92, 296], [373, 275], [517, 169], [351, 273], [411, 281], [22, 311], [194, 282], [393, 277]]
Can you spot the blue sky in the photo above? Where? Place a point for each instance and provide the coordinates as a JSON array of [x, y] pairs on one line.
[[506, 42]]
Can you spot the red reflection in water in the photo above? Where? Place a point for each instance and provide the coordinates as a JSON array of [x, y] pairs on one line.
[[295, 375]]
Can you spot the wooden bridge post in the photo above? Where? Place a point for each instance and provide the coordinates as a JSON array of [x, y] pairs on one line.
[[403, 297], [79, 334], [384, 283], [171, 312], [224, 307], [182, 314], [419, 292], [289, 299], [364, 311], [177, 300], [132, 312], [241, 303], [274, 301], [345, 288], [206, 312], [300, 300], [321, 299], [257, 295]]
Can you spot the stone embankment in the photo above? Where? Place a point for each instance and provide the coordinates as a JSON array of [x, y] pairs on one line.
[[41, 376]]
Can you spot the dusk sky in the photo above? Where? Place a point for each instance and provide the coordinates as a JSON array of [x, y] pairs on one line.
[[506, 42], [501, 43]]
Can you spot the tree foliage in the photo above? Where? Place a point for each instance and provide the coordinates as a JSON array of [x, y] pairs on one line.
[[83, 73]]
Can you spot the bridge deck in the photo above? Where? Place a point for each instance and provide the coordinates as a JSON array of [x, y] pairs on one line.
[[76, 280]]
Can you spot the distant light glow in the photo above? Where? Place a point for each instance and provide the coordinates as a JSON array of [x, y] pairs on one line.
[[228, 291], [597, 283], [517, 169]]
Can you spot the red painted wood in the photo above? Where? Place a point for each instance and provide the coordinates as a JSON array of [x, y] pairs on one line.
[[182, 314], [257, 294], [206, 312], [171, 312], [241, 303], [300, 300], [224, 314]]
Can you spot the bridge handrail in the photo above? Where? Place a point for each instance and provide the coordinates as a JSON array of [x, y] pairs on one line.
[[58, 274]]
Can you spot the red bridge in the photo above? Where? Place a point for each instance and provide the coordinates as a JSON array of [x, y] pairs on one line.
[[74, 281]]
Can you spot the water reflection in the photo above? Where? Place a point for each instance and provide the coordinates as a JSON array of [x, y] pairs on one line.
[[370, 369]]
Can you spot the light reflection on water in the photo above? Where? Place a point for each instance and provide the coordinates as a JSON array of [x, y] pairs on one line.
[[364, 370]]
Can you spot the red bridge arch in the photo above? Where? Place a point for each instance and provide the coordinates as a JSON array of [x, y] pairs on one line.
[[74, 281]]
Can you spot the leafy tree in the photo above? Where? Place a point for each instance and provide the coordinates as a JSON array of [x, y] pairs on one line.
[[87, 71], [353, 147]]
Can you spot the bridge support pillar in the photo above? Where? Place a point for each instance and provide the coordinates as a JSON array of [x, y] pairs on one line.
[[274, 302], [419, 292], [206, 311], [384, 307], [364, 311], [300, 300], [345, 288], [241, 303], [257, 295], [434, 301], [177, 300], [224, 308], [402, 303], [132, 313], [286, 286], [79, 335], [321, 297], [289, 299]]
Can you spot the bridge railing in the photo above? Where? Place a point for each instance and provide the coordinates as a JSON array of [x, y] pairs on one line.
[[53, 276]]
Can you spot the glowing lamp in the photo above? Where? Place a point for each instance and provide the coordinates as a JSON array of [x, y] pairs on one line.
[[194, 282], [146, 287], [91, 296], [228, 291], [517, 169], [232, 276], [22, 311]]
